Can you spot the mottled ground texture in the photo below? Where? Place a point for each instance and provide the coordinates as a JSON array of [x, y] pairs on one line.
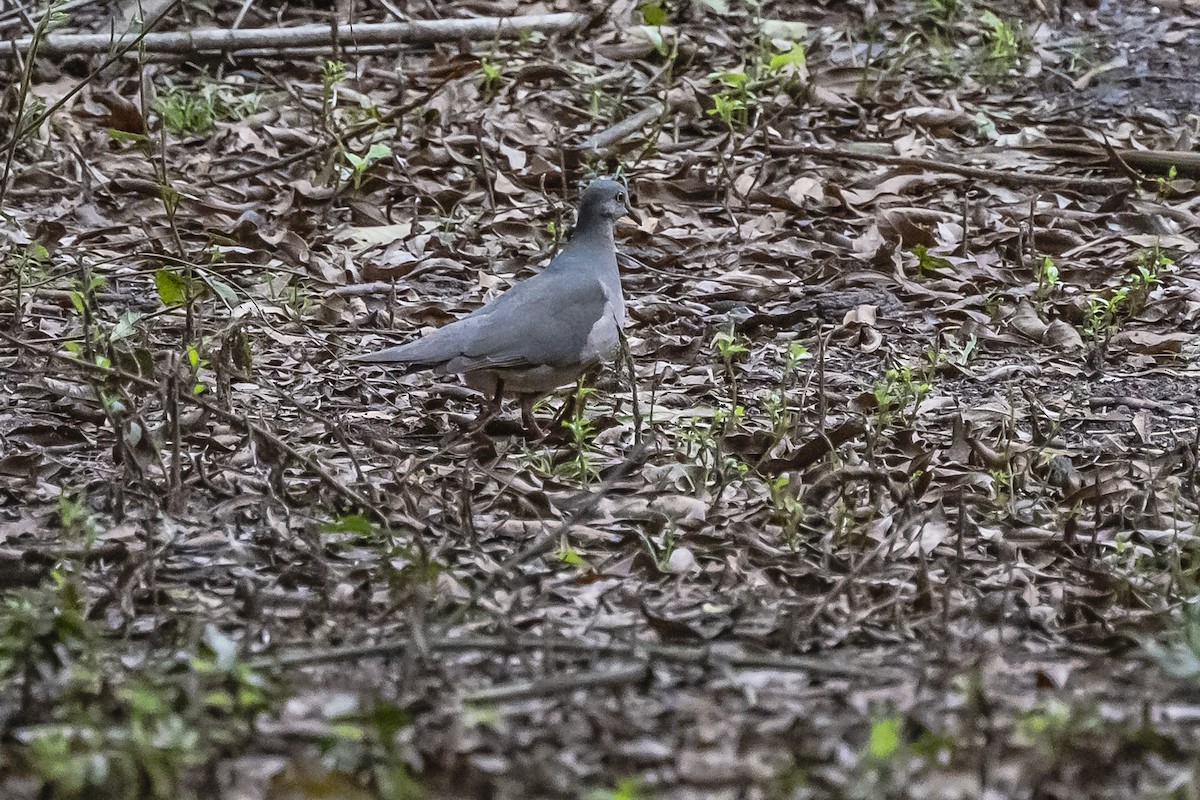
[[904, 503]]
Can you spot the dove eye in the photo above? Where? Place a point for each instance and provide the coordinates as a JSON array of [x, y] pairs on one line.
[[620, 197]]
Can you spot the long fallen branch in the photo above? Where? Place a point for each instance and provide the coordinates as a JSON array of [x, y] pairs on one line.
[[1018, 180], [221, 40]]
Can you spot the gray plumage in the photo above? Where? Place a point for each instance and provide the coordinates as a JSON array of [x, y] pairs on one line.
[[543, 332]]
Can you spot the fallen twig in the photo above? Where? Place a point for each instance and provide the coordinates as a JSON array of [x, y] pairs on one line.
[[223, 40], [603, 140], [558, 684]]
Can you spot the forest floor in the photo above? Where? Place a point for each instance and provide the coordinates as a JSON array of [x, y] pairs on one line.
[[904, 502]]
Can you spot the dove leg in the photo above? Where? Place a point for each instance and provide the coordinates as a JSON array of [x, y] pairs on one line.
[[491, 406], [527, 418]]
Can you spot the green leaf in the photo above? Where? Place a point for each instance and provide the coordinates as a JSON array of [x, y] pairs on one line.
[[569, 555], [792, 58], [37, 251], [222, 290], [357, 162], [655, 34], [884, 740], [653, 12], [353, 523], [378, 150], [928, 263], [126, 136], [172, 288]]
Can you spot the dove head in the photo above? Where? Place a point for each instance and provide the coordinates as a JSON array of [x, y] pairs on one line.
[[604, 201]]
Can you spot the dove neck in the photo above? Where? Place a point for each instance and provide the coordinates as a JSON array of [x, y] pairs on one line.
[[591, 231]]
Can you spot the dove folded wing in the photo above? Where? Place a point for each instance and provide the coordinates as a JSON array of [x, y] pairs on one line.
[[550, 320]]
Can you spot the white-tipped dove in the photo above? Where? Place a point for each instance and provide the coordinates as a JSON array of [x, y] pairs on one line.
[[543, 332]]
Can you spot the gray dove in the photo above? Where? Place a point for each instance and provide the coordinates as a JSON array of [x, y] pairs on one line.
[[544, 332]]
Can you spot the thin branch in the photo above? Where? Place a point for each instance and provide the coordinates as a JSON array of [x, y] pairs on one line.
[[1021, 180], [558, 684]]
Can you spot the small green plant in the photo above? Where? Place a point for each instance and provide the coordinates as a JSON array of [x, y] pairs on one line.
[[698, 445], [196, 110], [787, 508], [555, 232], [26, 265], [660, 552], [777, 406], [1146, 274], [792, 62], [83, 300], [354, 529], [1166, 185], [943, 13], [333, 73], [960, 353], [1047, 281], [139, 734], [1003, 488], [929, 264], [184, 111], [582, 466], [1105, 314], [727, 346], [43, 630], [728, 349], [568, 554], [897, 391], [884, 740], [76, 519], [364, 740], [732, 104], [1052, 726], [1004, 45], [358, 165], [175, 289], [492, 79]]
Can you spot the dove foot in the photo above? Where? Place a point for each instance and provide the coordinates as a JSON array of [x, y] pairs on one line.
[[491, 407], [532, 429]]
